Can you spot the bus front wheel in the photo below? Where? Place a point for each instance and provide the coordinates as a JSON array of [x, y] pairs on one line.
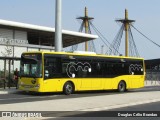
[[68, 88], [122, 86]]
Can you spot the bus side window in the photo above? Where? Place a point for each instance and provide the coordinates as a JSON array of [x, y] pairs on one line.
[[53, 67]]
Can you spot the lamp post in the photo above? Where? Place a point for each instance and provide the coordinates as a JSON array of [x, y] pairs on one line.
[[58, 26]]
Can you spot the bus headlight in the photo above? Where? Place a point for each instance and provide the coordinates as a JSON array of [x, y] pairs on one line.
[[37, 86]]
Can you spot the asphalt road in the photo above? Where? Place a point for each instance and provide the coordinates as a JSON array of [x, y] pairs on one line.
[[21, 97], [149, 111]]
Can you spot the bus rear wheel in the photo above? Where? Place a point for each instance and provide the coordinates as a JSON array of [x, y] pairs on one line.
[[122, 86], [68, 88]]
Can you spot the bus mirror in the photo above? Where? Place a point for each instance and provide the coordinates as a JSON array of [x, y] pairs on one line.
[[46, 73]]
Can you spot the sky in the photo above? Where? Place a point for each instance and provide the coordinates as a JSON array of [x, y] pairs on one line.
[[42, 12]]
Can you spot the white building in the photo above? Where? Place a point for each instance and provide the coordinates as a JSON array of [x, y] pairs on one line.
[[16, 38]]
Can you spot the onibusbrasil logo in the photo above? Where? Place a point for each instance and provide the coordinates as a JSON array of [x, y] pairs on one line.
[[21, 114], [73, 67]]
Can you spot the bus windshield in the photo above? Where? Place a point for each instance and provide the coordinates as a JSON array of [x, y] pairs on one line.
[[31, 65]]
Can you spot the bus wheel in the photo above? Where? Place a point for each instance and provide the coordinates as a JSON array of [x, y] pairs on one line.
[[68, 88], [122, 86]]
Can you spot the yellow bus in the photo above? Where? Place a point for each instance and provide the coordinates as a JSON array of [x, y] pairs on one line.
[[79, 71]]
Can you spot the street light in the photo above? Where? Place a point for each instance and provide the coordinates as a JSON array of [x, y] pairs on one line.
[[58, 26]]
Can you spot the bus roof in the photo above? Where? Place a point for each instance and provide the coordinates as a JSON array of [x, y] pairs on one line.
[[83, 54]]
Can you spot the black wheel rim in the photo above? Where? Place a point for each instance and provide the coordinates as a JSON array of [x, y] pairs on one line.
[[69, 88], [121, 87]]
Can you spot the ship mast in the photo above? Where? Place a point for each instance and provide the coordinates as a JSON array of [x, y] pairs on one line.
[[127, 22], [85, 24]]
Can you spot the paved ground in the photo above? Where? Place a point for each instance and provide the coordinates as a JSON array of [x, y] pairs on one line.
[[7, 90], [61, 107], [91, 103], [65, 107], [132, 113]]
